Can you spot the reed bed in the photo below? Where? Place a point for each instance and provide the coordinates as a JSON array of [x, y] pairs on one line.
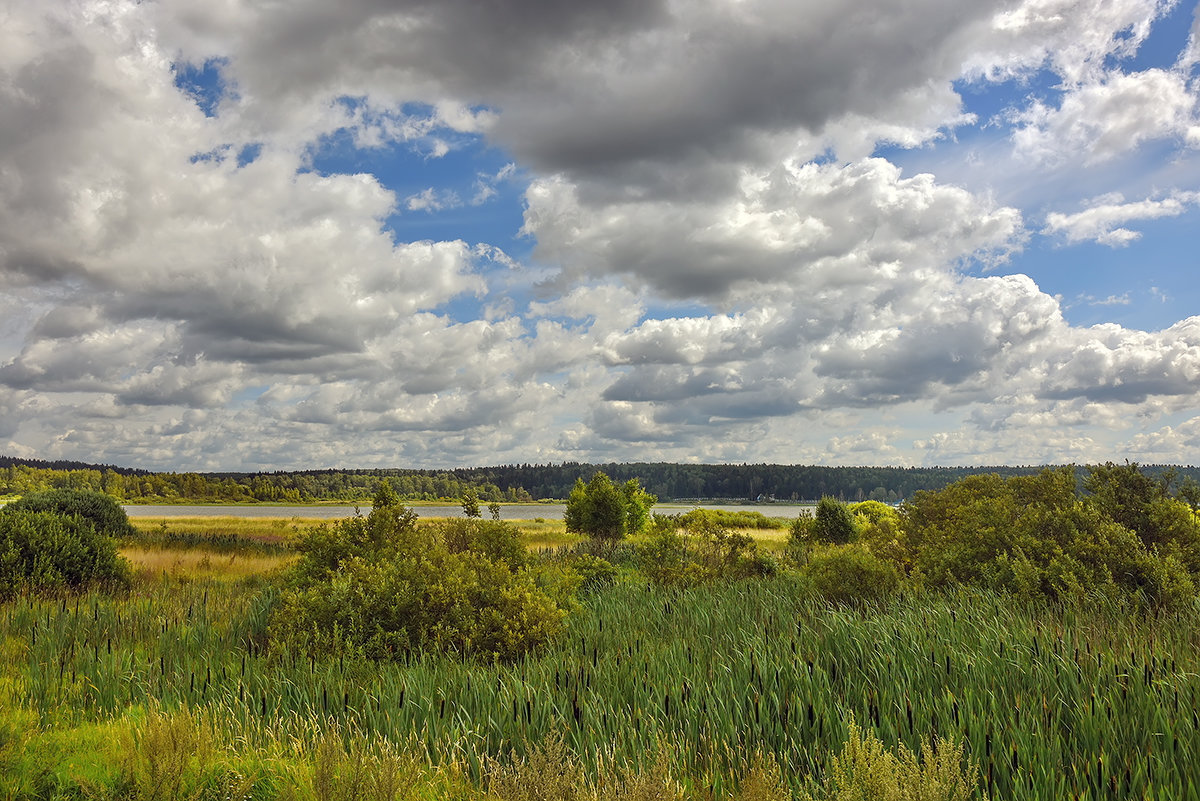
[[1085, 703]]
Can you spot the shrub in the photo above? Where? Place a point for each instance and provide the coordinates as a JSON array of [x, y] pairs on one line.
[[593, 571], [103, 511], [833, 522], [663, 555], [851, 575], [381, 586], [1035, 537], [47, 553], [865, 769]]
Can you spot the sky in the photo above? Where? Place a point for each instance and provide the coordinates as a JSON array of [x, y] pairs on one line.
[[247, 235]]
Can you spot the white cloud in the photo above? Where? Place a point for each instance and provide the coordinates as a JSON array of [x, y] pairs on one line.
[[1104, 219], [710, 291], [1113, 115]]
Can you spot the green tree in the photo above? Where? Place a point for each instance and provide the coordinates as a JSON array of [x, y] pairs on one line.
[[637, 506], [833, 522], [470, 503], [385, 496], [602, 510]]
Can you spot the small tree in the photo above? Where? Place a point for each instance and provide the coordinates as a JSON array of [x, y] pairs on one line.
[[470, 503], [602, 510], [833, 522], [385, 496]]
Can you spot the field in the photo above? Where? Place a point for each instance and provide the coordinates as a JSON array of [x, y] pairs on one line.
[[705, 690]]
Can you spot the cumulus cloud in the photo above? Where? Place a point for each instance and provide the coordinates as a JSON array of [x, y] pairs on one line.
[[1104, 219], [820, 225], [723, 265], [1111, 116]]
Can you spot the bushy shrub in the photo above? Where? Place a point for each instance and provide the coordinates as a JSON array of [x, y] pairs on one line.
[[833, 522], [604, 510], [494, 539], [850, 574], [705, 550], [381, 586], [866, 769], [45, 552], [1035, 536], [103, 511], [593, 571], [663, 555]]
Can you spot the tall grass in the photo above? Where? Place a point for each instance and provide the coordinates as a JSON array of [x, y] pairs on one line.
[[1051, 702]]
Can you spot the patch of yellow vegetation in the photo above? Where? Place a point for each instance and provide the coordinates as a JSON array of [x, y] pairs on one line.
[[203, 564]]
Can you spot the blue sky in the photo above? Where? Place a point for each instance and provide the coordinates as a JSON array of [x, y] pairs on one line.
[[249, 236]]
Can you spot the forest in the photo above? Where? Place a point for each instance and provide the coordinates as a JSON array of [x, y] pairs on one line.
[[505, 483]]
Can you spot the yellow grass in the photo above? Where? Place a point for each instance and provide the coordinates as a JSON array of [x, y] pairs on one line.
[[265, 530], [195, 563]]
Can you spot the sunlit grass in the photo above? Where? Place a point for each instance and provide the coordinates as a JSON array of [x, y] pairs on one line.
[[198, 563], [263, 530]]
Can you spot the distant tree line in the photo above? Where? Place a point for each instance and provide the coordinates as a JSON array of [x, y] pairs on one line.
[[505, 483]]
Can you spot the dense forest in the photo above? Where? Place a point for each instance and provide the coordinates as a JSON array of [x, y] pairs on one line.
[[512, 483]]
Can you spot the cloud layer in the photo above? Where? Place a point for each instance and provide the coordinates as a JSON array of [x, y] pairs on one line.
[[724, 262]]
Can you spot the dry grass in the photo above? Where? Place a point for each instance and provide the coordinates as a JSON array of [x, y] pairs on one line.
[[196, 563], [263, 530]]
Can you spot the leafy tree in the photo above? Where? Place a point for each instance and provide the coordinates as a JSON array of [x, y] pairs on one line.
[[385, 496], [494, 510], [1141, 503], [470, 503], [602, 510], [833, 522]]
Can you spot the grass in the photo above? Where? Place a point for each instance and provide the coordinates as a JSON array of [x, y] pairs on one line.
[[220, 531], [674, 692], [201, 564], [1051, 702]]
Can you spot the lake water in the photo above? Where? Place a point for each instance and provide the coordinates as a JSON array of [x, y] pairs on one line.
[[550, 511]]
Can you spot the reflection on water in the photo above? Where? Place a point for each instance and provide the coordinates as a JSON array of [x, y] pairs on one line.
[[550, 511]]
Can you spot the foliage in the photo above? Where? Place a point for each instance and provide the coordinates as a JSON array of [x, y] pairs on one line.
[[1034, 536], [102, 511], [470, 503], [44, 552], [663, 555], [602, 510], [697, 548], [850, 574], [865, 769], [382, 587], [833, 522], [594, 572]]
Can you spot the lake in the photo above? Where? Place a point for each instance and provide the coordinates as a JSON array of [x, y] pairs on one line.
[[550, 511]]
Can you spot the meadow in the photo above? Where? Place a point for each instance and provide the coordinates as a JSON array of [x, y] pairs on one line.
[[753, 688]]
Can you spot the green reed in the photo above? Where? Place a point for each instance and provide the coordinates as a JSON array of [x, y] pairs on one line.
[[1064, 702]]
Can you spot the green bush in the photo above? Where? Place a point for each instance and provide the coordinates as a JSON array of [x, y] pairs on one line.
[[833, 522], [705, 551], [103, 511], [44, 552], [381, 586], [593, 571], [850, 574], [1034, 536]]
